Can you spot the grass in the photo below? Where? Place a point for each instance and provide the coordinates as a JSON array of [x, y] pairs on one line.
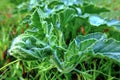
[[90, 69], [9, 26]]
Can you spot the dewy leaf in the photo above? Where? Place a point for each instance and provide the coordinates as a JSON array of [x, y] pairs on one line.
[[109, 48], [96, 21]]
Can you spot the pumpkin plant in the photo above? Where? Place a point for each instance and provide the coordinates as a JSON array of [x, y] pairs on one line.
[[63, 36]]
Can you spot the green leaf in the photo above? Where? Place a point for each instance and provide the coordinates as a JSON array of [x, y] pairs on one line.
[[69, 65], [28, 47], [109, 48], [33, 4], [57, 62], [23, 7], [96, 36], [72, 50], [45, 66], [84, 45], [26, 20], [115, 23], [96, 21], [71, 57], [36, 20], [100, 44], [55, 4], [66, 16], [92, 9]]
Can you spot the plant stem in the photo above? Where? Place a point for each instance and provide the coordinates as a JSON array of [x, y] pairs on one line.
[[57, 62], [9, 64]]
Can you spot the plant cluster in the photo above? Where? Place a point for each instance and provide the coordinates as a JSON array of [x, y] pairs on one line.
[[68, 40]]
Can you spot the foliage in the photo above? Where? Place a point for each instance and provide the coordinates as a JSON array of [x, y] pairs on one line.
[[63, 37]]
